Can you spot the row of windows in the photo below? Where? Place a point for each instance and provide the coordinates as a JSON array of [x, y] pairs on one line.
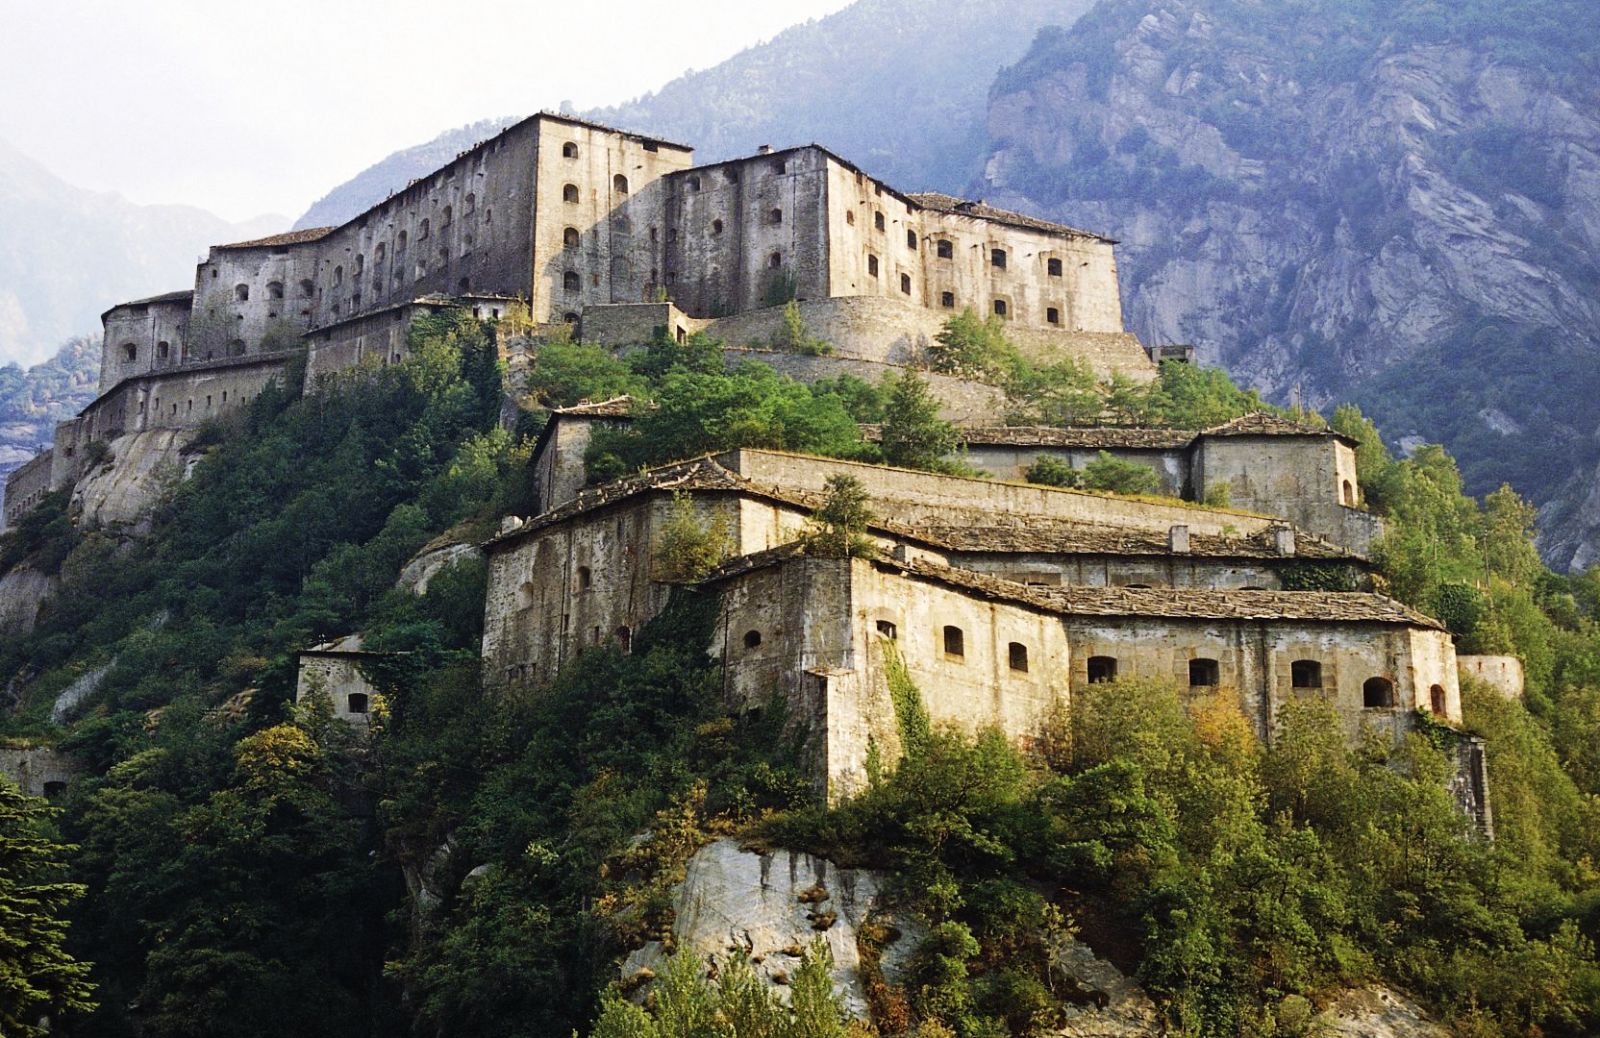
[[731, 174], [571, 195]]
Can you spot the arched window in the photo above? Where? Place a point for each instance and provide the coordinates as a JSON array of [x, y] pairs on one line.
[[424, 229], [997, 258], [444, 256], [338, 276], [400, 242], [946, 249], [470, 203], [360, 265], [716, 226], [850, 218], [1377, 693], [569, 150], [356, 703], [619, 184], [775, 216], [1349, 493], [163, 350], [1436, 699], [872, 266], [1203, 672], [752, 639], [571, 282], [571, 238], [445, 216], [1052, 267], [624, 636], [463, 286], [911, 239], [955, 642], [569, 193], [905, 284], [307, 288], [694, 183], [241, 293], [130, 352], [887, 629], [585, 578], [877, 220], [1102, 669], [775, 260], [274, 289], [1001, 309], [1017, 656], [570, 318], [380, 253], [1305, 674]]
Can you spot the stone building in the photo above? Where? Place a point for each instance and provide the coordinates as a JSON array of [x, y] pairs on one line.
[[999, 599], [333, 668], [39, 771]]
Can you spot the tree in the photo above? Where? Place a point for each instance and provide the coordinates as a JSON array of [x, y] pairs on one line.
[[38, 978], [914, 436], [970, 345], [839, 526], [1052, 472], [1119, 477], [689, 547]]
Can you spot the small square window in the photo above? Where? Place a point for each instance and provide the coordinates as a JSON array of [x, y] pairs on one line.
[[947, 300], [954, 642], [877, 220]]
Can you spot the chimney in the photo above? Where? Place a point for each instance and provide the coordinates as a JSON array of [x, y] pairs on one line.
[[1283, 540], [1178, 540], [765, 149]]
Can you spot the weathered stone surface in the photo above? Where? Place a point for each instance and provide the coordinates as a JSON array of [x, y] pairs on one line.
[[22, 591], [769, 905], [39, 770], [85, 686], [1376, 1012], [432, 561], [140, 467], [1110, 1005]]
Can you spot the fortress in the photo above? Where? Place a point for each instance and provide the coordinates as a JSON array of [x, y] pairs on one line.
[[1000, 600]]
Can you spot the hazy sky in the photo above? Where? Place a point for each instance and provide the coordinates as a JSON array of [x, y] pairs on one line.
[[261, 107]]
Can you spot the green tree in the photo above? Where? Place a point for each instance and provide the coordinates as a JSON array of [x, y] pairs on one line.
[[838, 528], [971, 346], [914, 436], [38, 977], [1119, 477], [1052, 472]]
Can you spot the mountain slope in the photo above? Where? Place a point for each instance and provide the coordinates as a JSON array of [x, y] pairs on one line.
[[33, 401], [899, 86], [1376, 201], [66, 254]]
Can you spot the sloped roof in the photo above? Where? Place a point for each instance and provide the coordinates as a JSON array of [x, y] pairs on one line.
[[349, 645], [286, 238], [616, 407], [1264, 423], [943, 203], [1036, 535], [1092, 437]]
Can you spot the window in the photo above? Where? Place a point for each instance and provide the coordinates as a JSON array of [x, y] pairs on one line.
[[716, 226], [469, 203], [887, 629], [1017, 655], [850, 218], [732, 173], [236, 348], [585, 578], [569, 193], [1102, 669], [877, 220], [570, 318], [444, 256], [130, 352], [1203, 672], [1052, 315], [694, 183], [752, 639], [569, 150], [911, 239], [54, 789], [997, 258], [1305, 674], [400, 243], [424, 229], [1377, 693], [379, 254], [570, 238], [1000, 308], [947, 300], [571, 282], [780, 167], [624, 636], [241, 293], [945, 249], [274, 289], [1349, 493], [163, 350], [775, 260], [775, 216], [1436, 699], [905, 283], [338, 276], [619, 184], [872, 266], [954, 642], [1052, 267], [356, 703]]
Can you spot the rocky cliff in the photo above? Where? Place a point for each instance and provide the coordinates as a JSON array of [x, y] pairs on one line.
[[1346, 200]]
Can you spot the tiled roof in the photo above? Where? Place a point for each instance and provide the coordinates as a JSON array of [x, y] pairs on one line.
[[182, 296], [1037, 535], [1180, 603], [1263, 423], [963, 207], [1091, 437], [286, 238]]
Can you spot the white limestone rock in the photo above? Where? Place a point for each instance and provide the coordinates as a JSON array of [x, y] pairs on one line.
[[432, 561]]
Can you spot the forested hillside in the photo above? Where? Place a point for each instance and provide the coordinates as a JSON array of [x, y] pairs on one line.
[[33, 400], [1397, 203], [475, 868]]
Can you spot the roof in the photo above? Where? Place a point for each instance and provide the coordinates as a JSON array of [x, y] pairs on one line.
[[1087, 436], [286, 238], [943, 203], [185, 296], [1264, 423], [1179, 603], [1042, 536], [591, 124], [349, 645], [433, 299], [616, 407]]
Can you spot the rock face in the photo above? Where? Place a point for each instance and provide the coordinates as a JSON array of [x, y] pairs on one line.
[[1396, 210], [770, 905], [22, 591], [120, 492], [432, 561]]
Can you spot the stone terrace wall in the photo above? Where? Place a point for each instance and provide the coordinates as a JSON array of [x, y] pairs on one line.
[[25, 486], [964, 402]]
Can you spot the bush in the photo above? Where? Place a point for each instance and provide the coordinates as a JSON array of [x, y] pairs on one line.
[[1052, 472], [1119, 477]]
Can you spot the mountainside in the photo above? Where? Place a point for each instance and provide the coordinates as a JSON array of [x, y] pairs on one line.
[[1375, 201], [66, 254], [896, 85], [33, 401]]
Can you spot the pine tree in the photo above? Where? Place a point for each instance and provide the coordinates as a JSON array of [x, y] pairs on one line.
[[914, 436]]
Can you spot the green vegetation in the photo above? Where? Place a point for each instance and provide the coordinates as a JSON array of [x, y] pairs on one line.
[[838, 528], [914, 436], [1105, 473]]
